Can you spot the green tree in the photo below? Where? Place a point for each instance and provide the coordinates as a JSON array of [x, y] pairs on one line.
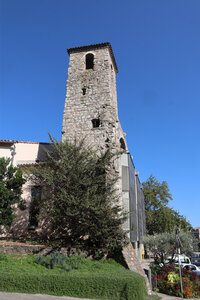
[[80, 197], [11, 181], [165, 244], [159, 216]]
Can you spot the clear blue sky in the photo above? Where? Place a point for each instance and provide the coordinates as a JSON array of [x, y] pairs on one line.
[[157, 48]]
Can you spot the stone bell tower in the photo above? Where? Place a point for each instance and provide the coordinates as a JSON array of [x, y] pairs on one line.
[[91, 113], [91, 100]]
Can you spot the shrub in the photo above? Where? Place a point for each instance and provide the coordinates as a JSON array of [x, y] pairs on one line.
[[81, 200], [54, 260], [168, 282], [102, 286], [11, 181], [108, 280]]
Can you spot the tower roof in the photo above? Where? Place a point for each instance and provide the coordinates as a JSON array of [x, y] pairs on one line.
[[95, 46]]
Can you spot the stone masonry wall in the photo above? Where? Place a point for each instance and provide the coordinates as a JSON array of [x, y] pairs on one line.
[[133, 264], [99, 101], [91, 94]]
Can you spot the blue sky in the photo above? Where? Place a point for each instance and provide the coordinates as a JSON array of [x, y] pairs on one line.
[[157, 48]]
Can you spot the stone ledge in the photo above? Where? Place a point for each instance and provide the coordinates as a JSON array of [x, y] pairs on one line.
[[134, 264], [25, 249]]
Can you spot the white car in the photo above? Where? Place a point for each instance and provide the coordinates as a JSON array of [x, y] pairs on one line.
[[191, 267], [184, 260]]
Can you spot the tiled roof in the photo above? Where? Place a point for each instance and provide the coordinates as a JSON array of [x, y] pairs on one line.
[[24, 142], [95, 46], [7, 141], [27, 164]]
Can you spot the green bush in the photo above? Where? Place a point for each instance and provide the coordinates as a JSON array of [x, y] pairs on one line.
[[104, 279], [102, 286], [54, 260]]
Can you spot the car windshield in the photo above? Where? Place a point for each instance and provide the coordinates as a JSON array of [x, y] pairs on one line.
[[190, 267], [184, 260]]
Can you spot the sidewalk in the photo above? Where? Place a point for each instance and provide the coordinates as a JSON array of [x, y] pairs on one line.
[[18, 296], [167, 297]]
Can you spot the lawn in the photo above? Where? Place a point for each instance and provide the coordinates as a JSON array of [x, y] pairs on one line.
[[75, 276]]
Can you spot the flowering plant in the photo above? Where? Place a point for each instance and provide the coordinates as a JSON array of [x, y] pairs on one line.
[[168, 282], [173, 277]]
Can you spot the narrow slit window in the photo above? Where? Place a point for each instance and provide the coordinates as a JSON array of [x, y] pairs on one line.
[[89, 60], [122, 144], [84, 91], [96, 123]]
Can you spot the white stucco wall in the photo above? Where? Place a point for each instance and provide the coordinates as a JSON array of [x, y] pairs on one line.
[[5, 151], [21, 153]]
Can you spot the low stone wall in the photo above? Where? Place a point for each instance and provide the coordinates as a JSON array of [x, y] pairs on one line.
[[25, 249], [22, 248]]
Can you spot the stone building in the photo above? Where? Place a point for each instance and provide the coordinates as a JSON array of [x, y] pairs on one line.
[[91, 113], [91, 98], [196, 232]]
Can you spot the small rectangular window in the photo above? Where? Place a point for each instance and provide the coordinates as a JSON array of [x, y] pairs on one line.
[[95, 123]]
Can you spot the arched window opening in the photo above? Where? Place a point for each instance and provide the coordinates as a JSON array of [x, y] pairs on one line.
[[122, 144], [96, 123], [89, 60]]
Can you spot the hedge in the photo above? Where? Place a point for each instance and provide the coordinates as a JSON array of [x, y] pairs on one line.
[[123, 286]]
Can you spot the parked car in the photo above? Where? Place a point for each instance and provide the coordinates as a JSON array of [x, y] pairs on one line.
[[191, 267], [183, 259], [196, 254], [195, 261], [197, 272]]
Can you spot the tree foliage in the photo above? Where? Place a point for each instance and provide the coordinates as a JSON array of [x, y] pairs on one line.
[[159, 216], [11, 181], [165, 244], [80, 197]]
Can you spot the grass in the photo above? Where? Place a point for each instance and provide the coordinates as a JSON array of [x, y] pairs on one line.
[[20, 264], [103, 279]]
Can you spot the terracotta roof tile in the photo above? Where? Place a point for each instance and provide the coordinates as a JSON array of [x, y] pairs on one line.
[[24, 142], [7, 141]]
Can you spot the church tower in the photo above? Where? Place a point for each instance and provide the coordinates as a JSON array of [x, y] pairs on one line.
[[91, 100], [91, 113]]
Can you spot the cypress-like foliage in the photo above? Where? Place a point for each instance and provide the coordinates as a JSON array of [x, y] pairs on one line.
[[81, 201], [11, 181]]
